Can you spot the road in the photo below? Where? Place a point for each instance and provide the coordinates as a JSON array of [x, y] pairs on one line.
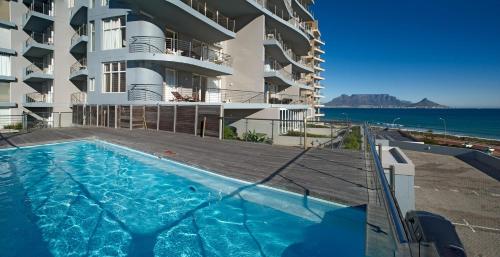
[[469, 198]]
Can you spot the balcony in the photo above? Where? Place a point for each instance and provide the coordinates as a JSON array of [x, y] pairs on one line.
[[79, 98], [276, 75], [184, 15], [318, 68], [39, 16], [37, 99], [153, 93], [303, 8], [78, 13], [79, 40], [78, 71], [33, 73], [38, 45], [180, 55], [278, 49]]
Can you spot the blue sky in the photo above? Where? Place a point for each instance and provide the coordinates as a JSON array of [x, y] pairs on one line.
[[446, 50]]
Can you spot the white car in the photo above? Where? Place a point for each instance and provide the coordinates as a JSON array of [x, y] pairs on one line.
[[468, 145]]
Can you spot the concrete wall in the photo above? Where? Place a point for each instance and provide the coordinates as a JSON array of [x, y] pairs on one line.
[[247, 51], [63, 32]]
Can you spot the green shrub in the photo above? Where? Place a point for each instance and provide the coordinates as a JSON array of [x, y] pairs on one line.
[[353, 140], [252, 136], [230, 132], [292, 133], [17, 126]]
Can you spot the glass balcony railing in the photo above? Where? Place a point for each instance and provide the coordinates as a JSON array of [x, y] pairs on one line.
[[37, 97], [78, 66], [41, 38]]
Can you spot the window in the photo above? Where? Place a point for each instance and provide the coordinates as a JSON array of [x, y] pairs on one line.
[[4, 65], [114, 79], [114, 33], [91, 84], [71, 3], [92, 35], [104, 2], [91, 4]]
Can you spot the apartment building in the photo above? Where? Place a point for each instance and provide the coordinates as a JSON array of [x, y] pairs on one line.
[[251, 58]]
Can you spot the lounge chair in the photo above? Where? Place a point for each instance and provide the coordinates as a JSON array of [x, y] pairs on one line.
[[180, 98]]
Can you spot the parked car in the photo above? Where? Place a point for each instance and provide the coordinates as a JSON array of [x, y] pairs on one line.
[[427, 227], [468, 145]]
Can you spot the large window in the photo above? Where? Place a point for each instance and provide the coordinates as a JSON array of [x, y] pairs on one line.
[[4, 65], [4, 92], [114, 77], [114, 33], [92, 35]]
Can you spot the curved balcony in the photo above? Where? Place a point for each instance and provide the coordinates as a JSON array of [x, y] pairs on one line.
[[180, 55], [79, 40], [303, 9], [38, 45], [145, 92], [276, 75], [78, 13], [279, 50], [184, 15], [39, 16], [78, 71], [79, 98], [33, 73], [37, 99], [292, 30]]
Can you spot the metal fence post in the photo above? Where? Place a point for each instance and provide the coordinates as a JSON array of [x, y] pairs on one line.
[[196, 120], [130, 115], [221, 122], [158, 117], [175, 118], [117, 113], [305, 132], [380, 153], [331, 135], [392, 178], [59, 119], [272, 131]]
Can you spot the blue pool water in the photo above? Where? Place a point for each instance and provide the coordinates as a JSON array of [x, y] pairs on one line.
[[90, 198]]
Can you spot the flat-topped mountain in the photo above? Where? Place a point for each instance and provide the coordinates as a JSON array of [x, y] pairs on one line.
[[379, 101]]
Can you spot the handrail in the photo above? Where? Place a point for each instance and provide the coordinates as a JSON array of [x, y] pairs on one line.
[[391, 202], [274, 34], [35, 67], [150, 92], [79, 32], [293, 20], [196, 50], [142, 92], [40, 38], [37, 97], [81, 64], [79, 98], [39, 7], [273, 65], [215, 15]]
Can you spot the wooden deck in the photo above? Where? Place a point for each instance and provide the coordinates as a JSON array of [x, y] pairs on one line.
[[335, 175]]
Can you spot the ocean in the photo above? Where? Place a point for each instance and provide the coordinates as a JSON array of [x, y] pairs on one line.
[[483, 123]]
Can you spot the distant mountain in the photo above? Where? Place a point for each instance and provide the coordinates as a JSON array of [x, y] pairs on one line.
[[379, 101], [426, 103]]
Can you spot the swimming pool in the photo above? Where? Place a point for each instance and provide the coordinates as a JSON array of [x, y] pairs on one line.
[[98, 199]]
